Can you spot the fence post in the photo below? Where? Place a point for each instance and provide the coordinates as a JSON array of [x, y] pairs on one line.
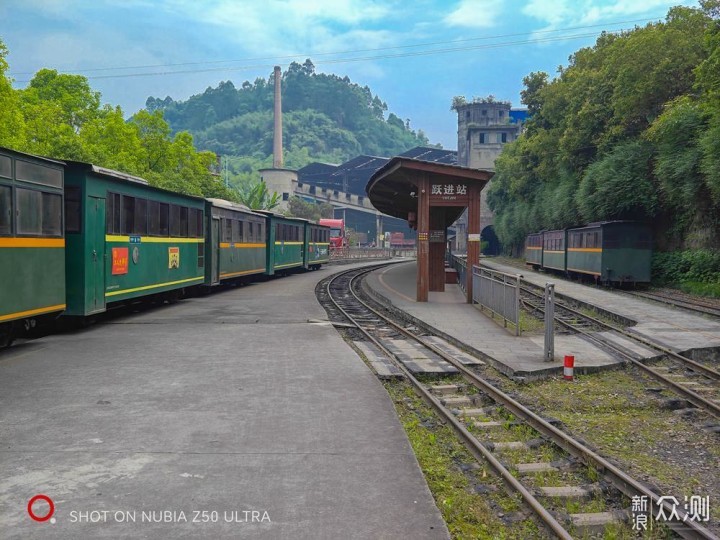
[[517, 304], [549, 322]]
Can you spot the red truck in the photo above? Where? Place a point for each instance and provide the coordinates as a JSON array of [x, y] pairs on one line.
[[337, 232]]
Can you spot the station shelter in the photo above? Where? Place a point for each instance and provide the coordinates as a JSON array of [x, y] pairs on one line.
[[431, 196]]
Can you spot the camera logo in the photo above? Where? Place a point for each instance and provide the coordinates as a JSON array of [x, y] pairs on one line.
[[41, 518]]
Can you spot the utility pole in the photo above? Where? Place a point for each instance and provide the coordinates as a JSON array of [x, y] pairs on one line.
[[225, 170]]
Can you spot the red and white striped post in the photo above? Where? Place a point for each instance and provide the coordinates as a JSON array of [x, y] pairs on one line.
[[568, 368]]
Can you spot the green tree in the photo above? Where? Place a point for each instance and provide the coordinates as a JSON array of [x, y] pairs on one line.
[[313, 211], [255, 195], [12, 122]]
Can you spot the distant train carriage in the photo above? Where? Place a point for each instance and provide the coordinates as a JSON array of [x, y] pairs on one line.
[[236, 243], [533, 250], [32, 243], [126, 239], [317, 245], [285, 241], [611, 251], [553, 252]]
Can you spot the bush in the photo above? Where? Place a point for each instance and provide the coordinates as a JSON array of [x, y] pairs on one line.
[[700, 266]]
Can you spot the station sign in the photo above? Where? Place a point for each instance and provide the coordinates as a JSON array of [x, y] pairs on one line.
[[449, 194]]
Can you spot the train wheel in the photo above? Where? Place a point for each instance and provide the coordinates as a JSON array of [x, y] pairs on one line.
[[6, 336]]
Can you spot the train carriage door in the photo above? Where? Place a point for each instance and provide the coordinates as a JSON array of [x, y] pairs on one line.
[[96, 255], [215, 250]]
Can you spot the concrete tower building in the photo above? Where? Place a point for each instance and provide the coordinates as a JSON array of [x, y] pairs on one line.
[[278, 179], [484, 127]]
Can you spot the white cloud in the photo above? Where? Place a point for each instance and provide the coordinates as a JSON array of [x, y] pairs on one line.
[[290, 27], [563, 13], [475, 14]]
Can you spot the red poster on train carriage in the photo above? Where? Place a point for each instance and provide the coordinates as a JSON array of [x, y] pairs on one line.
[[120, 261]]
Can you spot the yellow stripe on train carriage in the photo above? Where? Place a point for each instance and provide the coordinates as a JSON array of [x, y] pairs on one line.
[[586, 250], [240, 245], [32, 242], [154, 239], [31, 312], [155, 286], [245, 272]]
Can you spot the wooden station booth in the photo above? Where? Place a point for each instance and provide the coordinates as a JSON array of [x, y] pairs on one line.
[[431, 196]]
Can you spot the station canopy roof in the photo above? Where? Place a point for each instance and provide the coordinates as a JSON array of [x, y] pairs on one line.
[[393, 187]]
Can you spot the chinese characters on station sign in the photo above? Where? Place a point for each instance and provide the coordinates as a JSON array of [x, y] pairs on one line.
[[449, 190], [449, 194], [696, 509]]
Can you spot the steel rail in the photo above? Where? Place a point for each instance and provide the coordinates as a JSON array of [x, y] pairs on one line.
[[693, 397], [697, 307], [474, 446], [622, 481], [706, 370]]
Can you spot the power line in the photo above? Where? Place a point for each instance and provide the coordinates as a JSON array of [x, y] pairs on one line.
[[352, 59], [276, 59]]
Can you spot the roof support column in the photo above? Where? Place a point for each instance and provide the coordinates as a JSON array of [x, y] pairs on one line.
[[473, 244], [423, 227]]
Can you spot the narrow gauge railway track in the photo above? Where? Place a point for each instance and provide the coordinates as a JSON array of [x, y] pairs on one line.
[[703, 378], [680, 300], [450, 404]]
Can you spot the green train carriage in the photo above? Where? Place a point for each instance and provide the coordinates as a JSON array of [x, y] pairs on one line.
[[317, 245], [286, 243], [236, 242], [553, 252], [534, 250], [32, 243], [611, 251], [127, 239]]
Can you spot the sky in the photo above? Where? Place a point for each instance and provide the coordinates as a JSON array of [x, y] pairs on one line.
[[416, 56]]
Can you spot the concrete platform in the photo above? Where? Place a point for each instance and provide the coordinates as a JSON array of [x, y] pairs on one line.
[[228, 403], [448, 313], [676, 329]]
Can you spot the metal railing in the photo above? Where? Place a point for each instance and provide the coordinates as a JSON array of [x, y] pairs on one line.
[[460, 265], [349, 253], [499, 293]]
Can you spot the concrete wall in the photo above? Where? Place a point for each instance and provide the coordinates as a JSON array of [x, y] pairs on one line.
[[281, 181]]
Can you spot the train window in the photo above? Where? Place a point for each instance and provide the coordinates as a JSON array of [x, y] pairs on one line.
[[29, 208], [141, 217], [252, 231], [128, 215], [163, 219], [5, 166], [153, 218], [5, 210], [193, 222], [38, 174], [227, 230], [183, 222], [73, 217], [236, 230], [174, 220], [51, 214], [199, 224], [201, 255], [112, 213]]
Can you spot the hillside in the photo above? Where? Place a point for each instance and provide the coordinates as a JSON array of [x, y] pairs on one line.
[[628, 130], [325, 118]]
